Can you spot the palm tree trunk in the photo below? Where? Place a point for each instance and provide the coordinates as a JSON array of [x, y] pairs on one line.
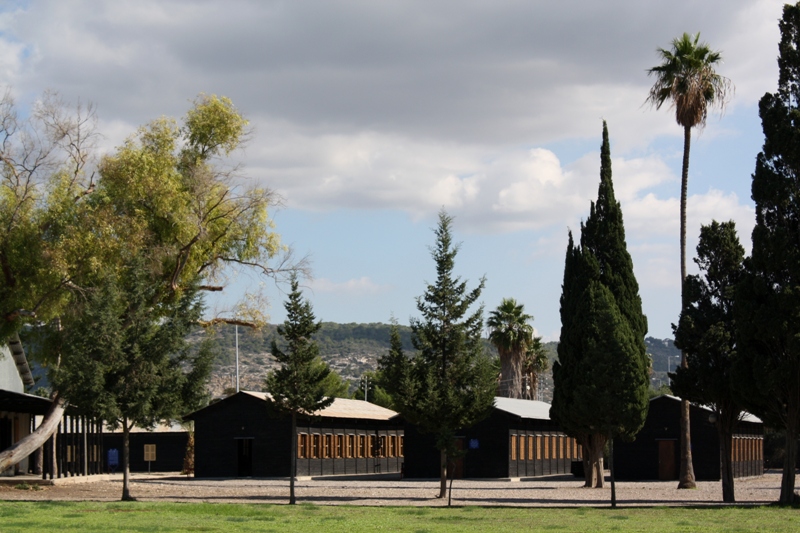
[[687, 480], [506, 373]]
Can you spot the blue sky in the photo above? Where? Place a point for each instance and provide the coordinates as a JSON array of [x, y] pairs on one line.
[[369, 117]]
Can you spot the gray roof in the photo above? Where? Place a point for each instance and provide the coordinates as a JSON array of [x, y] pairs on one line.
[[744, 417], [345, 408], [532, 409]]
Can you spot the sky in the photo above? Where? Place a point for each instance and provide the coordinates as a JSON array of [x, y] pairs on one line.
[[368, 118]]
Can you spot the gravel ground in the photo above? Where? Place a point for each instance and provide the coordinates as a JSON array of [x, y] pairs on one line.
[[541, 492]]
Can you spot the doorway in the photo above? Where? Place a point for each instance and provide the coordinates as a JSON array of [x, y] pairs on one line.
[[667, 465], [244, 457]]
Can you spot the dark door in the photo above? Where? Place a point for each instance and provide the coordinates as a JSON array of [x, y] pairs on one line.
[[667, 465], [244, 458], [458, 464]]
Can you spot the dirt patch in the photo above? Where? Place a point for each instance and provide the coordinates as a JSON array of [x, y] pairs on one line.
[[556, 492]]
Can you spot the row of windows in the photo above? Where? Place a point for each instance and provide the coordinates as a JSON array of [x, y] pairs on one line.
[[535, 447], [745, 449], [328, 446]]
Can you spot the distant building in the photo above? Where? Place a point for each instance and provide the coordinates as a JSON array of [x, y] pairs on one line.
[[517, 440], [158, 449], [242, 436], [655, 454]]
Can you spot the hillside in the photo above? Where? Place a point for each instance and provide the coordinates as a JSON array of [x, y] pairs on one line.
[[352, 349]]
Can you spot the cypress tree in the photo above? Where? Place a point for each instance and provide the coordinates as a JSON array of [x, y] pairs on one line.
[[767, 369], [601, 376]]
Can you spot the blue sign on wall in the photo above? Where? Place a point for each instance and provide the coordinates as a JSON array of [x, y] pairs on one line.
[[473, 444]]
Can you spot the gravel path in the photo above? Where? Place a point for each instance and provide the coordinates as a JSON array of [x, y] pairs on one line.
[[550, 492]]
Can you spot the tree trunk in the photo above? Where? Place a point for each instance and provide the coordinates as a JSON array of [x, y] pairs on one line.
[[725, 435], [516, 374], [789, 462], [600, 480], [30, 443], [588, 468], [510, 379], [126, 462], [593, 461], [443, 474], [687, 480], [611, 468], [293, 460]]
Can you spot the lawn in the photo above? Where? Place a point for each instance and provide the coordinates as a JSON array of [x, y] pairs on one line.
[[136, 516]]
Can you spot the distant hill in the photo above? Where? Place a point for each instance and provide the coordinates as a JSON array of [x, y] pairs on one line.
[[352, 349]]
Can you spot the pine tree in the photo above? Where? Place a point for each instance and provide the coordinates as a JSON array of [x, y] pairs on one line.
[[767, 370], [298, 386], [125, 365], [448, 384], [706, 334], [601, 376]]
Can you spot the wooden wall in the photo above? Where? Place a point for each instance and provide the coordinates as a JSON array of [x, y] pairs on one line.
[[644, 457], [219, 453]]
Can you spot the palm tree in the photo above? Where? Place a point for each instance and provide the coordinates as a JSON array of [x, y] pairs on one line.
[[534, 364], [687, 79], [512, 336]]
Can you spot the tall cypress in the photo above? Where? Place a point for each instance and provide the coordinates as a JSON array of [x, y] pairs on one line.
[[767, 308], [601, 376]]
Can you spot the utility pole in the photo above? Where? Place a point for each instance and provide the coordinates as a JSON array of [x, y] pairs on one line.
[[365, 381], [237, 357]]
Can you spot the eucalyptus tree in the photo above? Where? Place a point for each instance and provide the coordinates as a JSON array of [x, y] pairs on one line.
[[687, 79], [165, 196]]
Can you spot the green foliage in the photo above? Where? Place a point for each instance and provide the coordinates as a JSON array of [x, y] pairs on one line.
[[124, 364], [767, 299], [686, 78], [512, 335], [707, 328], [298, 385], [448, 384], [601, 376], [706, 333]]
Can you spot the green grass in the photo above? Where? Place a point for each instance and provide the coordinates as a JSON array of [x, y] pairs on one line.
[[138, 516]]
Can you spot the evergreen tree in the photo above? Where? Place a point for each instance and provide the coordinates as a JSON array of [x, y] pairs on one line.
[[706, 334], [125, 365], [448, 384], [767, 370], [601, 376], [298, 386]]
